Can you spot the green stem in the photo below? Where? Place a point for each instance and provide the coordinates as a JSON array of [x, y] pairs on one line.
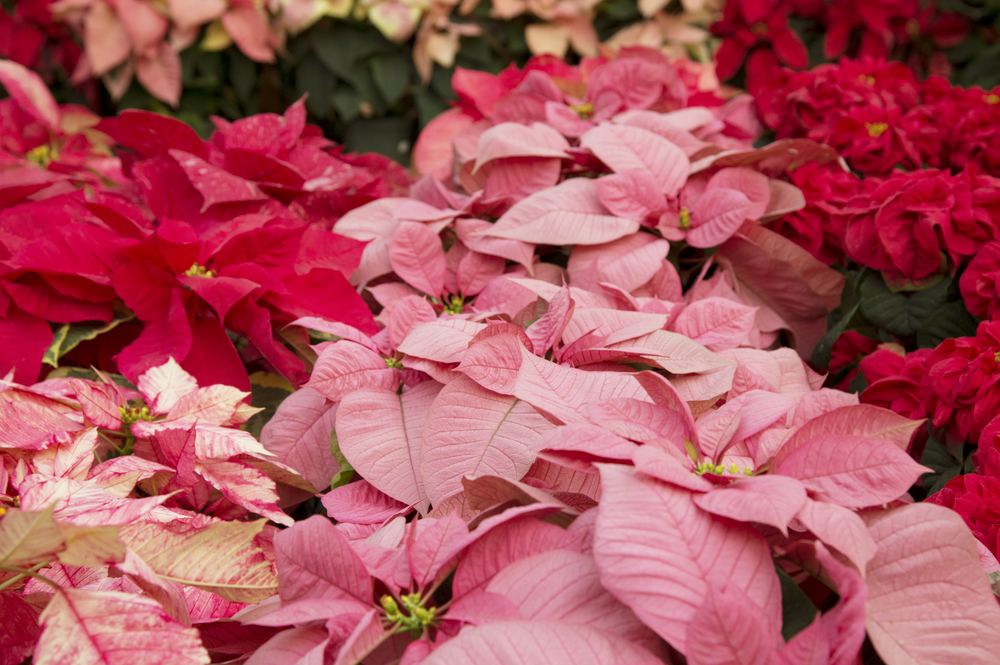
[[27, 572]]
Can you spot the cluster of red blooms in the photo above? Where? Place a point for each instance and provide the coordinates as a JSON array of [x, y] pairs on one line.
[[761, 30], [193, 237], [879, 116]]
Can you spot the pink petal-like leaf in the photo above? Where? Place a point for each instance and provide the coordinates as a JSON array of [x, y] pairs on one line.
[[299, 436], [716, 216], [928, 599], [753, 184], [512, 139], [841, 529], [316, 561], [538, 643], [771, 500], [444, 341], [379, 433], [728, 629], [245, 486], [476, 270], [568, 214], [632, 194], [658, 553], [513, 250], [471, 431], [675, 353], [627, 263], [716, 323], [407, 314], [344, 367], [853, 471], [624, 148], [665, 466], [546, 331], [562, 585], [360, 503], [416, 255]]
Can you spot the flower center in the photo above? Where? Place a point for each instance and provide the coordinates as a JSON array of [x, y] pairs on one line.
[[455, 306], [584, 110], [759, 29], [685, 219], [417, 616], [199, 271], [876, 129], [869, 79], [993, 98], [42, 155], [393, 363]]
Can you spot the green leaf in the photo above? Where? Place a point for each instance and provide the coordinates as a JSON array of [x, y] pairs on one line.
[[429, 106], [267, 391], [388, 136], [363, 81], [68, 336], [950, 320], [346, 102], [243, 73], [311, 77], [334, 48], [897, 313], [946, 466], [797, 611], [824, 348], [393, 74], [346, 473]]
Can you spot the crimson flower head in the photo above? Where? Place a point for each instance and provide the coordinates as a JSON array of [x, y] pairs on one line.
[[961, 382], [894, 381], [749, 24], [980, 281]]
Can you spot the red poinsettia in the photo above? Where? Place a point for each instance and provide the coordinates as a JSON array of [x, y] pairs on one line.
[[748, 24], [960, 383], [894, 381]]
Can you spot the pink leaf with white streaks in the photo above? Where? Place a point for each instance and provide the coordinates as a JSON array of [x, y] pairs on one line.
[[853, 471], [163, 386], [81, 627], [344, 367], [624, 148], [216, 405], [839, 528], [471, 431], [360, 503], [568, 214], [316, 561], [118, 475], [379, 433], [771, 500], [538, 643], [30, 92], [299, 436], [245, 486], [627, 263], [83, 503], [928, 599], [716, 216], [658, 553], [416, 255], [716, 323], [728, 629]]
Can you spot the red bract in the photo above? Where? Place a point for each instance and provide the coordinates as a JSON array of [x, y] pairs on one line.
[[850, 348], [902, 225], [979, 282], [746, 24], [894, 381], [960, 381]]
